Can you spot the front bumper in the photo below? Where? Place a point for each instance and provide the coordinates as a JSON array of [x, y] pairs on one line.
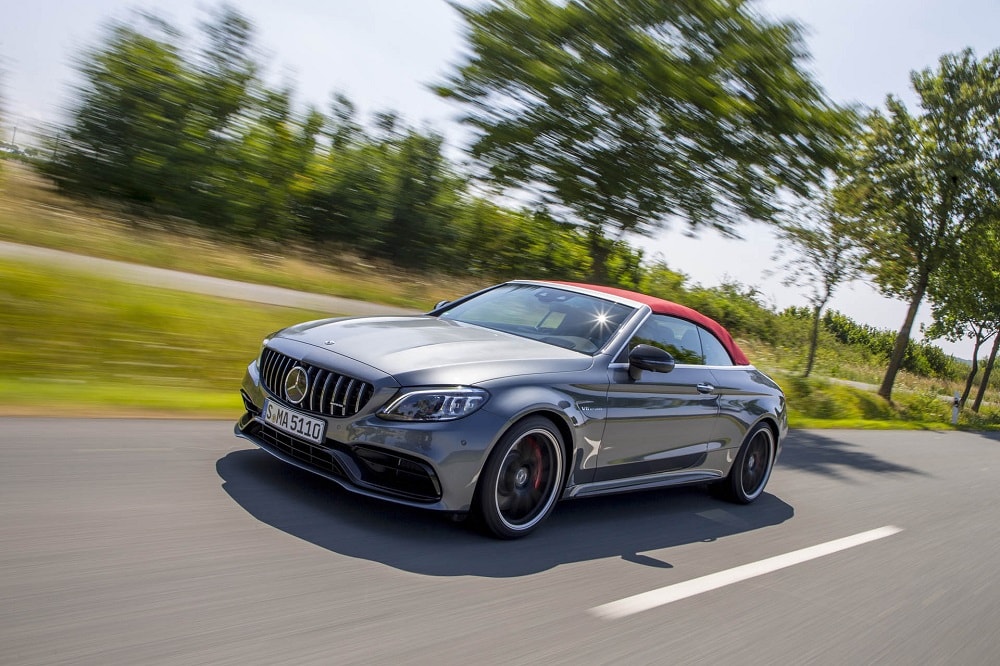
[[428, 465]]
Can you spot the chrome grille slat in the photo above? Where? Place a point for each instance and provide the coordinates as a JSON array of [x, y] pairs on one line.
[[267, 367], [360, 401], [276, 362], [330, 393], [326, 387], [333, 399], [346, 400], [283, 369], [313, 373], [269, 370]]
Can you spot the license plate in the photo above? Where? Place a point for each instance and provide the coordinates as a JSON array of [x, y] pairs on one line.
[[295, 423]]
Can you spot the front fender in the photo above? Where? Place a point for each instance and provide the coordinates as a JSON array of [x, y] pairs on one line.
[[578, 411]]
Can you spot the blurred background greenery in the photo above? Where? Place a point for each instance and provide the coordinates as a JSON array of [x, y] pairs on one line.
[[77, 343], [592, 122]]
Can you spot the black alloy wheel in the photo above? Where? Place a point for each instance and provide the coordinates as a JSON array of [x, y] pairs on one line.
[[751, 469], [522, 479]]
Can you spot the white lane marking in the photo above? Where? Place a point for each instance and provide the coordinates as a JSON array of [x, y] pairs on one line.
[[671, 593]]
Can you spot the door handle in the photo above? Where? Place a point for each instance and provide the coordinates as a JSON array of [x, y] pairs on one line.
[[705, 388]]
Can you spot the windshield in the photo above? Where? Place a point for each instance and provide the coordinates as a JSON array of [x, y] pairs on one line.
[[554, 316]]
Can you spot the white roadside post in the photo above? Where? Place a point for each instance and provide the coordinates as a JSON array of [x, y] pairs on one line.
[[954, 409]]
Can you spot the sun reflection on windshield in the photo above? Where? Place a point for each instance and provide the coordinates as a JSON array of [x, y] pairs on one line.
[[603, 319]]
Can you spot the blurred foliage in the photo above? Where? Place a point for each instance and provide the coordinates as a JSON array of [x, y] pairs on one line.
[[199, 136], [4, 149], [622, 113]]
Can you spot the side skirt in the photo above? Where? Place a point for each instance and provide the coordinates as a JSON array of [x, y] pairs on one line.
[[642, 483]]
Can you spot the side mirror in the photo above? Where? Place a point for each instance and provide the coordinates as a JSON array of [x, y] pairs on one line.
[[440, 304], [646, 357]]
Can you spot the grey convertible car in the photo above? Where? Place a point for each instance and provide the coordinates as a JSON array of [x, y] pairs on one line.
[[502, 402]]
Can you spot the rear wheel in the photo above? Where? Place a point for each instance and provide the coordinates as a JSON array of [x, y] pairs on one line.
[[751, 469], [522, 479]]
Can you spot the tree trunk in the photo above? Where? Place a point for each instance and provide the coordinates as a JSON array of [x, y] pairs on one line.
[[902, 339], [972, 373], [813, 340], [600, 250], [986, 375]]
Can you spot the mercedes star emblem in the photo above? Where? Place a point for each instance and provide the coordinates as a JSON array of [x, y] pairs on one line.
[[296, 384]]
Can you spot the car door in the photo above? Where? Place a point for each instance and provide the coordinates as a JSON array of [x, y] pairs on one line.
[[662, 421]]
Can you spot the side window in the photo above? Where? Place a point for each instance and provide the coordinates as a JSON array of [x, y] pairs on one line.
[[715, 353], [678, 337]]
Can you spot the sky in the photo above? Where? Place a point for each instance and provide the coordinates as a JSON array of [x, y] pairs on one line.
[[383, 54]]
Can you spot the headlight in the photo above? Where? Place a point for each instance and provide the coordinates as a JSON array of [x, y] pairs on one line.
[[435, 404]]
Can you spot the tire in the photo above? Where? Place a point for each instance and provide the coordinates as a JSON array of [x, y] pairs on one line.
[[752, 468], [522, 479]]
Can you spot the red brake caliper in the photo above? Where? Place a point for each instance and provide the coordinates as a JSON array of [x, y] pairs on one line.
[[537, 450]]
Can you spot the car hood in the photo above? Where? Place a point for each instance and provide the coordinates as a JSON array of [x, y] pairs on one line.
[[428, 350]]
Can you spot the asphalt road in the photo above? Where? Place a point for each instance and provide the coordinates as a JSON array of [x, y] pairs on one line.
[[171, 542]]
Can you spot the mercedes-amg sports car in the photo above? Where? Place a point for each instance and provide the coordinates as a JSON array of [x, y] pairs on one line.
[[501, 403]]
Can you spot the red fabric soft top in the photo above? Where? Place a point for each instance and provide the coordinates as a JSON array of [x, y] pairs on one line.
[[660, 306]]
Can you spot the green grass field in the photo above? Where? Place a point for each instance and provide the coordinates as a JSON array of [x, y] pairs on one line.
[[74, 343]]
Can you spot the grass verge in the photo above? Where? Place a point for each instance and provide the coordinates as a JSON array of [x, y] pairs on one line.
[[24, 396], [78, 344], [822, 403]]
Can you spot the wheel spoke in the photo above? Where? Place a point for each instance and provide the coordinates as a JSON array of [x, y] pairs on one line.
[[533, 496], [523, 505]]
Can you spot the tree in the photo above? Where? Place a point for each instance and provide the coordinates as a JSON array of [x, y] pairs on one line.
[[275, 148], [927, 180], [820, 234], [966, 296], [418, 232], [155, 127], [620, 114], [225, 90], [393, 195], [987, 372], [131, 110]]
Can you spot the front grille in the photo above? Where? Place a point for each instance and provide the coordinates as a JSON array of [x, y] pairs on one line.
[[330, 393], [362, 466]]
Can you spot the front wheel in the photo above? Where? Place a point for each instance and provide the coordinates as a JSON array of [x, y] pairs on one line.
[[751, 469], [522, 479]]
